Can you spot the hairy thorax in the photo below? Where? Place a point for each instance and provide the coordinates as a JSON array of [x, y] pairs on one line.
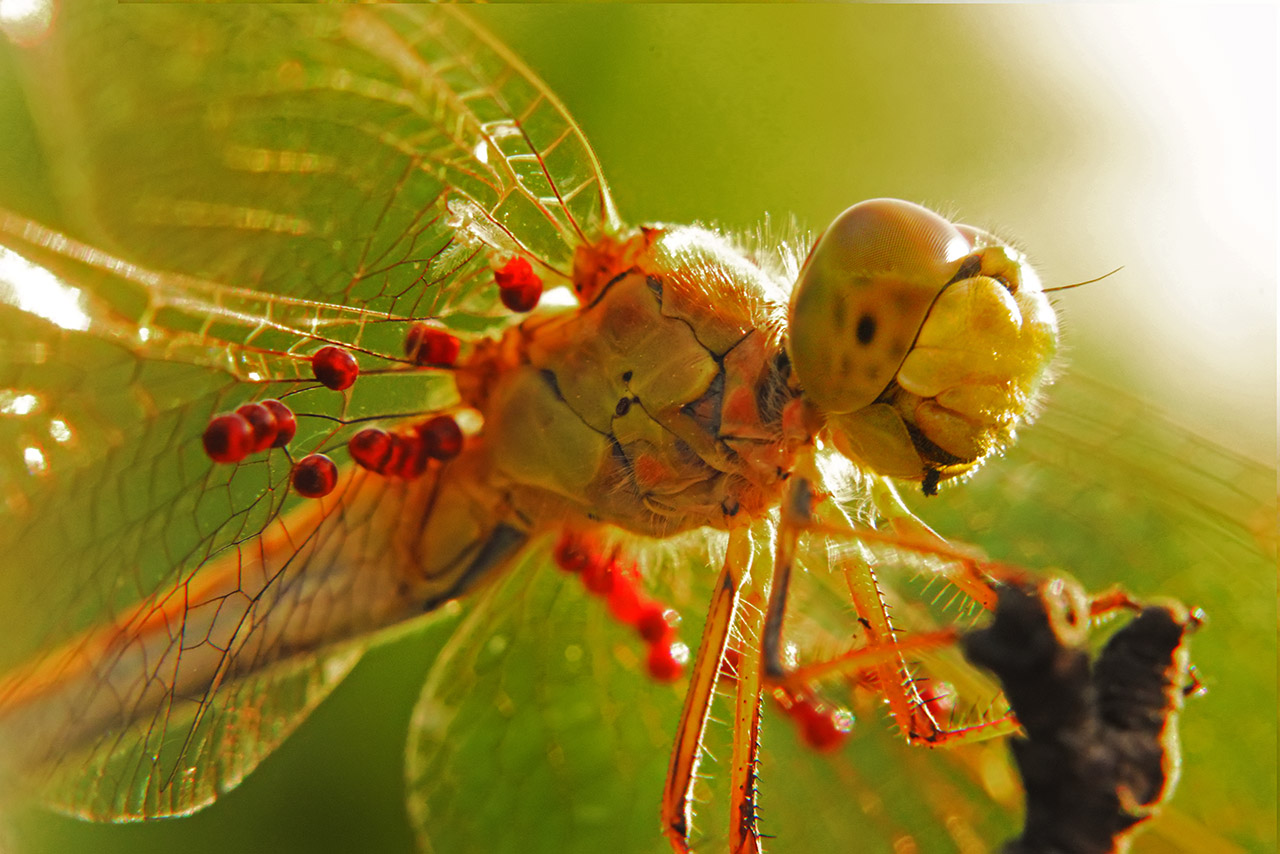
[[662, 404]]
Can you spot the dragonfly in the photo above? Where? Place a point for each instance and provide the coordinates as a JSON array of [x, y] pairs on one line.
[[301, 277]]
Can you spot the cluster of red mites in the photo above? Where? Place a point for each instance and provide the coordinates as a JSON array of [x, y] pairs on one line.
[[618, 583], [254, 427], [406, 454]]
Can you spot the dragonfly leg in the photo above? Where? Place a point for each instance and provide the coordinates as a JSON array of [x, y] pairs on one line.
[[744, 780], [727, 609], [881, 662]]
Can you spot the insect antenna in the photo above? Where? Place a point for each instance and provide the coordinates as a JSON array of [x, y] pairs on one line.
[[1085, 282]]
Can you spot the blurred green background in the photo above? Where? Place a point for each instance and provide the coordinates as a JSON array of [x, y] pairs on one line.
[[1095, 137]]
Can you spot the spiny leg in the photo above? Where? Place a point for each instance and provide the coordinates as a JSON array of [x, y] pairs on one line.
[[881, 662], [723, 613], [882, 659], [743, 833]]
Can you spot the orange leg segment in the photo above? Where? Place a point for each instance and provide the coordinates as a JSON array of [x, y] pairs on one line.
[[882, 661], [677, 796], [753, 656]]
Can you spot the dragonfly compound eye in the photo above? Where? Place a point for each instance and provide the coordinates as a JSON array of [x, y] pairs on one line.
[[924, 343]]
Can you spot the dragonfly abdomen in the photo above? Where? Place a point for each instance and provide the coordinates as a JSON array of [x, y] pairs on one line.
[[374, 553]]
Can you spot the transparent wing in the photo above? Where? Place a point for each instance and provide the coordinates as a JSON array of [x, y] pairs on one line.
[[1107, 489], [268, 182], [536, 730], [329, 154], [538, 724]]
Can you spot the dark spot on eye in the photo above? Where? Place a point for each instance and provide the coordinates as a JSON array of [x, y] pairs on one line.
[[623, 407], [626, 376], [866, 329]]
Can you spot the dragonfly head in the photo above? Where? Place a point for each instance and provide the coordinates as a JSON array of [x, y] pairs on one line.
[[923, 343]]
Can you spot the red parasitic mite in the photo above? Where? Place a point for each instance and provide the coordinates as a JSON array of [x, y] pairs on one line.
[[228, 438], [653, 624], [663, 664], [598, 577], [519, 287], [573, 553], [315, 476], [262, 423], [823, 728], [286, 422], [398, 453], [625, 600], [938, 700], [442, 437], [431, 347], [335, 367], [410, 456], [371, 449]]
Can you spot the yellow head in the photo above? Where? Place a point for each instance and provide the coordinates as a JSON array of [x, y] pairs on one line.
[[922, 342]]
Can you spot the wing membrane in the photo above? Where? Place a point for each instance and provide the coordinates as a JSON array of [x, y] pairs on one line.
[[265, 193], [314, 154], [1108, 489], [536, 723]]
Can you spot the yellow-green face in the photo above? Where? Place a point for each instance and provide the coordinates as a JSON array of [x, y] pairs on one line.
[[923, 342]]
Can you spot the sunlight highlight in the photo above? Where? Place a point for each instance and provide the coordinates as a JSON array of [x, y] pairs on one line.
[[34, 458], [25, 22], [13, 403], [37, 291]]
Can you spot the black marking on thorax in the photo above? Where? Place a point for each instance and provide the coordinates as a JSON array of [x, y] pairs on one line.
[[705, 411], [774, 390]]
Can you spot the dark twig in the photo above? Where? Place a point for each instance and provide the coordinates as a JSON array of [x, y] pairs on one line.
[[1100, 754]]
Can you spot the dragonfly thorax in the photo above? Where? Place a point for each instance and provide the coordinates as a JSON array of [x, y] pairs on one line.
[[923, 343], [659, 405]]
